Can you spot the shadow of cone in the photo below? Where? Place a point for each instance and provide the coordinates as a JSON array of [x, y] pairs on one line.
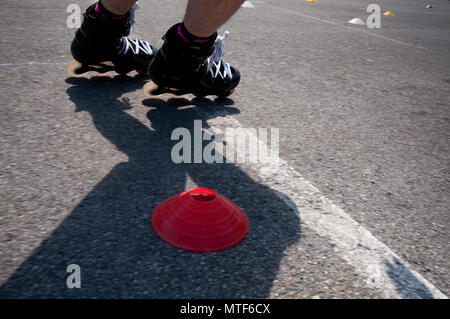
[[200, 220]]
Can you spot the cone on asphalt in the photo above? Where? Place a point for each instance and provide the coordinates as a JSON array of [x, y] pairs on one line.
[[356, 21], [200, 220], [247, 4], [312, 0], [389, 14]]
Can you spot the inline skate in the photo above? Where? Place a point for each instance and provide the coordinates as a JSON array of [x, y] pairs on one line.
[[101, 45], [195, 67]]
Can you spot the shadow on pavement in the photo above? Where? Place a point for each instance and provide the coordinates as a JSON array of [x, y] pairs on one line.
[[406, 282], [109, 234]]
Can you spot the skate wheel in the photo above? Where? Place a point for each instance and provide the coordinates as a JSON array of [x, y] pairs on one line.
[[101, 74], [225, 95], [174, 96], [103, 69], [75, 69], [175, 93], [151, 88], [200, 95]]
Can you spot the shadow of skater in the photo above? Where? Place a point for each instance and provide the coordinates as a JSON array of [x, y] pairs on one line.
[[109, 234], [406, 282]]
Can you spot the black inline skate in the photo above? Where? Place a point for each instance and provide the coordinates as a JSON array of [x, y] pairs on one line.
[[195, 67], [102, 45]]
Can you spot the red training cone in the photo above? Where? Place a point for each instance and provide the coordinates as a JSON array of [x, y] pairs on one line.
[[200, 220]]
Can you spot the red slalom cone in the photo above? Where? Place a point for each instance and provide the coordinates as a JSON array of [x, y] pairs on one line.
[[200, 220]]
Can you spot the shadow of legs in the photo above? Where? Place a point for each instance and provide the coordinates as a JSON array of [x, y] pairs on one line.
[[108, 234]]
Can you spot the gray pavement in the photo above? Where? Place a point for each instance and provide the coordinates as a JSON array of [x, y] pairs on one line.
[[363, 116]]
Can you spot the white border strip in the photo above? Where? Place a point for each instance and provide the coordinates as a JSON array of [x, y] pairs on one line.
[[380, 267], [30, 63]]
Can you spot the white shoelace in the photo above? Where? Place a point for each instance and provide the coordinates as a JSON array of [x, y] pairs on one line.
[[216, 59], [136, 46]]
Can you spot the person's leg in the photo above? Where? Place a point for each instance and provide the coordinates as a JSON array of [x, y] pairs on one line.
[[118, 7], [204, 17]]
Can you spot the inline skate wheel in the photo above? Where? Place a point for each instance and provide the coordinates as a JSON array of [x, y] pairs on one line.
[[75, 69]]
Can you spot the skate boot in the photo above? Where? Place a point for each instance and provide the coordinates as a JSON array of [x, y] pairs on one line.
[[102, 45], [195, 66]]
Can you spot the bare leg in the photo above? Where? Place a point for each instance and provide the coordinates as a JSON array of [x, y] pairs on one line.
[[119, 7], [204, 17]]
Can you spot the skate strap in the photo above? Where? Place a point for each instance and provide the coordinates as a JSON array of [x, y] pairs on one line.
[[215, 63]]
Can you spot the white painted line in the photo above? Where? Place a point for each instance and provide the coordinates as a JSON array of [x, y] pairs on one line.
[[30, 63], [345, 27], [375, 262]]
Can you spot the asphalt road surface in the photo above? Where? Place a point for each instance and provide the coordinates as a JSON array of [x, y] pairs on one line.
[[358, 207]]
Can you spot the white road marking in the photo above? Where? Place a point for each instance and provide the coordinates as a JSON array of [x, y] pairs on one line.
[[29, 63], [375, 262]]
